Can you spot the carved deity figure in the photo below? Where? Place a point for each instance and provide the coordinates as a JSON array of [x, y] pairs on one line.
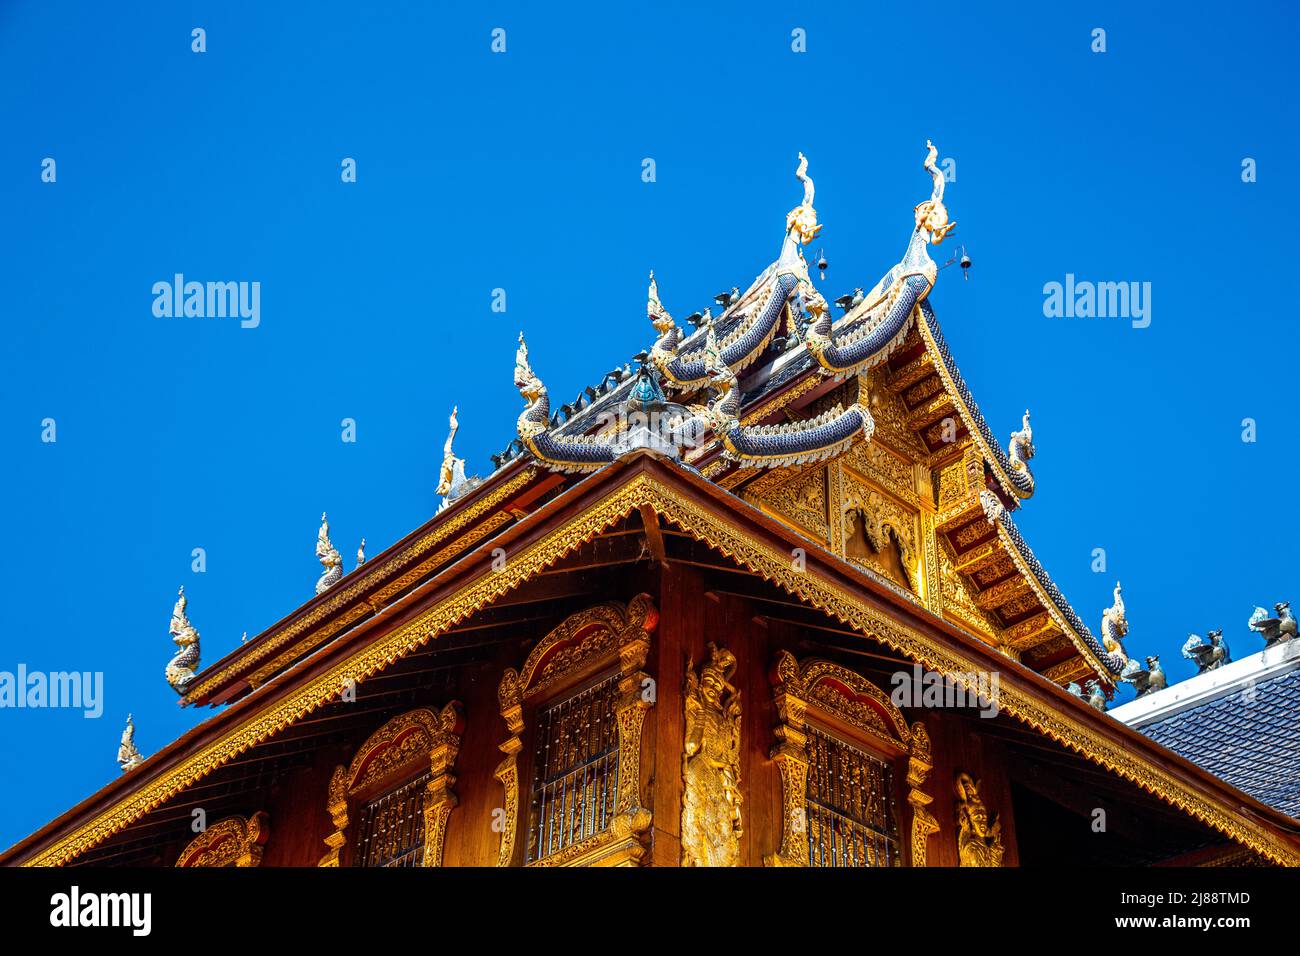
[[979, 838], [711, 824]]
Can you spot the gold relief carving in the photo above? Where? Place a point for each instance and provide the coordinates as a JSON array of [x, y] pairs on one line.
[[933, 580], [871, 460], [1002, 593], [234, 841], [711, 799], [993, 571], [831, 689], [967, 535], [441, 532], [892, 425], [801, 499], [923, 390], [957, 602], [979, 835], [583, 643], [725, 536], [883, 519], [408, 742], [1019, 606], [919, 765], [1071, 670]]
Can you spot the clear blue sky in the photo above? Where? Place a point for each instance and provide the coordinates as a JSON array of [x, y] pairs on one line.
[[523, 171]]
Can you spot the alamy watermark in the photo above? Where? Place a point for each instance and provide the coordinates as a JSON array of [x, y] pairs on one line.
[[1083, 299], [978, 690], [58, 689], [209, 300]]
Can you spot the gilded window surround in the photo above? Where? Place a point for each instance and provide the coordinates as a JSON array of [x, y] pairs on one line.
[[582, 645], [233, 841], [842, 699], [725, 535], [402, 747]]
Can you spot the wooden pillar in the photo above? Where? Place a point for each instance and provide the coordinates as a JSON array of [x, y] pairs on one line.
[[681, 632]]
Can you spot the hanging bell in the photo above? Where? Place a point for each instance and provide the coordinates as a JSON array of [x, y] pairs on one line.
[[822, 264], [964, 262]]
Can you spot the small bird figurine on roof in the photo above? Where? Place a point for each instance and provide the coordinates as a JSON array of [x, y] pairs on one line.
[[361, 553], [850, 302], [1277, 629], [726, 299], [1209, 652]]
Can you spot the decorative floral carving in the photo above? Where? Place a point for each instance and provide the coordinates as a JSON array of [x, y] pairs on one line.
[[234, 841]]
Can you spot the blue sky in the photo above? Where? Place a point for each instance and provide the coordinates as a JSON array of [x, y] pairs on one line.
[[522, 171]]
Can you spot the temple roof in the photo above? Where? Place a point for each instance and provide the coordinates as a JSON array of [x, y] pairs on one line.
[[764, 384], [1240, 721], [686, 511]]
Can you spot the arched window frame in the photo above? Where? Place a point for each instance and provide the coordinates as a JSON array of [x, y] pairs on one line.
[[233, 841], [399, 750], [584, 645], [844, 702]]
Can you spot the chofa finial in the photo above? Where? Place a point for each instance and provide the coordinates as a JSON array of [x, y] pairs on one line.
[[452, 482], [181, 668], [931, 215], [328, 556], [128, 757], [801, 221]]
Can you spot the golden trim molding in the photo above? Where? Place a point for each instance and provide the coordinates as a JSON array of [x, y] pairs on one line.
[[581, 645], [846, 696], [405, 744], [234, 841], [727, 538]]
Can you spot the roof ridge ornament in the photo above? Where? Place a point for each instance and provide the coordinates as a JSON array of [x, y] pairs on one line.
[[801, 221], [1020, 449], [932, 215], [876, 324], [1114, 628], [452, 482], [329, 557], [1275, 628], [128, 757], [182, 667]]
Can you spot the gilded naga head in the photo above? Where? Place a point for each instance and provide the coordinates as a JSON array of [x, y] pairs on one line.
[[659, 317], [182, 631], [529, 385], [325, 550], [932, 215]]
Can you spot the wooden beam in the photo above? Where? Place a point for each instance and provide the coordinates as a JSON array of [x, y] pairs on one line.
[[653, 535]]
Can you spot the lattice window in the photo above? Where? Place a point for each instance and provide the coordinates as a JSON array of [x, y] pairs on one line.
[[392, 827], [575, 770], [850, 806]]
